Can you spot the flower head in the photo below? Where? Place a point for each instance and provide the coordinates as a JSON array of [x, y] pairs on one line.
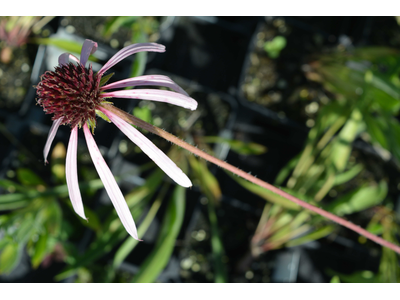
[[74, 94]]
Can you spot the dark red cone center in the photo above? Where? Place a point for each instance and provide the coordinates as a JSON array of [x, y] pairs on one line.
[[70, 92]]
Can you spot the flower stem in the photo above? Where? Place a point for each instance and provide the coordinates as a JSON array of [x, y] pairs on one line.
[[140, 123]]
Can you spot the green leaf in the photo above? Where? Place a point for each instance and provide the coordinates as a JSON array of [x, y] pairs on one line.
[[102, 245], [9, 257], [375, 228], [274, 47], [385, 85], [11, 185], [171, 225], [357, 277], [265, 194], [143, 113], [348, 175], [114, 231], [376, 131], [115, 23], [25, 228], [208, 183], [244, 148], [40, 250], [210, 187], [335, 279], [217, 247], [105, 78], [53, 218], [343, 145], [28, 177], [286, 170], [146, 190], [130, 244], [12, 205], [67, 45], [315, 235], [93, 221], [360, 199]]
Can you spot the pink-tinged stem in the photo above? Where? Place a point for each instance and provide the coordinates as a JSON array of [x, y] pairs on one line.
[[138, 122]]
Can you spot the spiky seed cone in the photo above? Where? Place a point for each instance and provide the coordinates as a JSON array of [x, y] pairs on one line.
[[70, 92]]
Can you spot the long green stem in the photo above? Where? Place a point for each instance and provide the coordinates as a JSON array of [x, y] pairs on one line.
[[140, 123]]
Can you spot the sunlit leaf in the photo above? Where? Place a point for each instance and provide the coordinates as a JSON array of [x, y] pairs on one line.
[[209, 184], [9, 257], [342, 147], [143, 113], [67, 45], [348, 175], [40, 250], [360, 199], [170, 227]]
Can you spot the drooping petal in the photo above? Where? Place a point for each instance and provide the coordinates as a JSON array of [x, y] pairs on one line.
[[129, 50], [155, 95], [71, 171], [158, 80], [88, 47], [64, 58], [50, 138], [110, 185], [159, 157]]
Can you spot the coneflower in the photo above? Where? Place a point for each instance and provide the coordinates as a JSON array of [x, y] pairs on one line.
[[74, 94]]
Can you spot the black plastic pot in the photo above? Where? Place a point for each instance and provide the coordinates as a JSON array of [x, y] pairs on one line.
[[206, 50]]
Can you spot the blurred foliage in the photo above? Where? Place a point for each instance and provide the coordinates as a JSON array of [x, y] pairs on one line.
[[35, 221], [15, 31], [365, 89], [274, 47]]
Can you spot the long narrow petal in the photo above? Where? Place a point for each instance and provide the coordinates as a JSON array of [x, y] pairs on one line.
[[129, 50], [110, 185], [88, 47], [159, 157], [64, 58], [158, 80], [50, 138], [71, 171], [155, 95]]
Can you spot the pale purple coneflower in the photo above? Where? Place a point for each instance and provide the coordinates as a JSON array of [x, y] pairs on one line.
[[74, 94]]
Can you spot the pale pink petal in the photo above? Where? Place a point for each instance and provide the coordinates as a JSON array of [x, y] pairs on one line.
[[71, 171], [110, 185], [155, 95], [129, 50], [89, 47], [158, 80], [64, 58], [159, 157], [50, 138]]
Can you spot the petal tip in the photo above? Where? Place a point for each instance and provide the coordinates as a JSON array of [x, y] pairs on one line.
[[185, 181]]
